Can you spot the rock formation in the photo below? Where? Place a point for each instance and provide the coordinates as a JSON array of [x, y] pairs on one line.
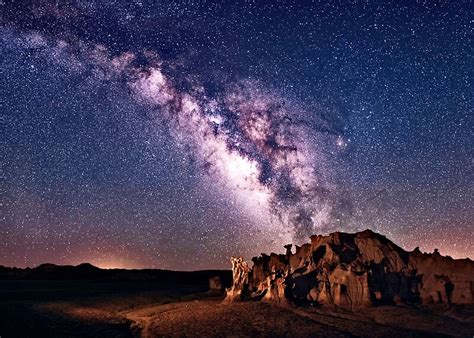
[[353, 270], [240, 271], [215, 283]]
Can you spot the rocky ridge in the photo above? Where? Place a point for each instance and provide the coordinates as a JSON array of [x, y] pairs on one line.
[[353, 270]]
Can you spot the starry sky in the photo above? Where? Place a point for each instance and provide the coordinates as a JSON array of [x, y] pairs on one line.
[[174, 134]]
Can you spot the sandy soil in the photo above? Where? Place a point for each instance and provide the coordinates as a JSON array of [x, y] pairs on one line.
[[212, 318], [187, 313]]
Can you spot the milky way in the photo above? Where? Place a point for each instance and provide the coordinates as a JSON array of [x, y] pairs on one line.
[[247, 137], [177, 135], [252, 143]]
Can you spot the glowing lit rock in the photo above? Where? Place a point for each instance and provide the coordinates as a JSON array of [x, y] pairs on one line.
[[351, 271]]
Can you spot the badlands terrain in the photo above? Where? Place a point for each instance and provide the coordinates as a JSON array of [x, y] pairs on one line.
[[338, 285]]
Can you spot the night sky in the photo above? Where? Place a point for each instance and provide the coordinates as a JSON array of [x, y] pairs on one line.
[[174, 134]]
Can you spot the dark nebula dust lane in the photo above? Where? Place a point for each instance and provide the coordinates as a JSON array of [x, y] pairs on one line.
[[175, 135]]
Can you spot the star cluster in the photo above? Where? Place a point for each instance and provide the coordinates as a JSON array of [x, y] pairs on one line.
[[175, 134]]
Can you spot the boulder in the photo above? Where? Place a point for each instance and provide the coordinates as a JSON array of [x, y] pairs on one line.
[[215, 284]]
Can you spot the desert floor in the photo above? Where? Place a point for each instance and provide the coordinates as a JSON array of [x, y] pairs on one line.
[[88, 309]]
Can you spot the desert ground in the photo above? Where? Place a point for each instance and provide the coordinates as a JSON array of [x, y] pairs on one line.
[[34, 308]]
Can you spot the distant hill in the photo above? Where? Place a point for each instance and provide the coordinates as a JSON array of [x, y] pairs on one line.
[[86, 271]]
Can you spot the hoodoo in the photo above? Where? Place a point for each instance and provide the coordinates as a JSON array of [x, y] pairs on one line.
[[353, 270]]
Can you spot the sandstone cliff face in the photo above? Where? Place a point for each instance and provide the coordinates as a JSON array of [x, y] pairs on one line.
[[353, 270]]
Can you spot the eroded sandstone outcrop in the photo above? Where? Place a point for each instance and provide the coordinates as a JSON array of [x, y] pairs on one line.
[[353, 270], [240, 272]]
